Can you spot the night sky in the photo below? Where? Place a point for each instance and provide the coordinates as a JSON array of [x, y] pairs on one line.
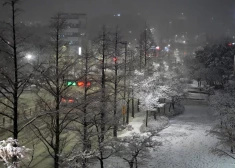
[[200, 14]]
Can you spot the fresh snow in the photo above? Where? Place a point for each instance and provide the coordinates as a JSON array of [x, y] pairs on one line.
[[135, 124], [186, 142]]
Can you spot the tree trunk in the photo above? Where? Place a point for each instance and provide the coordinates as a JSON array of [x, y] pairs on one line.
[[115, 86], [173, 102], [103, 83], [85, 140], [146, 122], [136, 163], [133, 108], [15, 91], [128, 109], [57, 97], [131, 164], [138, 103], [164, 106], [101, 163]]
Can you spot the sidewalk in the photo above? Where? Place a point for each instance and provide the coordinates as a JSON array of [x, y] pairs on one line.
[[138, 124]]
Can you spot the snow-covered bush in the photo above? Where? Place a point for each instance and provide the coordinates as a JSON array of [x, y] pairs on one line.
[[136, 148], [9, 151], [223, 103], [160, 85]]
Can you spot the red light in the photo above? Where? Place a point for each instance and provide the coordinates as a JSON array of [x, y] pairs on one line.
[[88, 84], [157, 48], [81, 84], [230, 44], [115, 59], [70, 100], [63, 100]]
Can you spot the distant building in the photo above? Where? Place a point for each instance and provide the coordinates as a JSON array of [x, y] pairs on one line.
[[75, 32]]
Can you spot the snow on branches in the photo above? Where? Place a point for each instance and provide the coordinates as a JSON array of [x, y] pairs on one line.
[[223, 103], [9, 149], [160, 85], [80, 158], [137, 146]]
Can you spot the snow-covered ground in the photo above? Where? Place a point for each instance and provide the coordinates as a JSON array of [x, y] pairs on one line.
[[135, 124], [187, 142]]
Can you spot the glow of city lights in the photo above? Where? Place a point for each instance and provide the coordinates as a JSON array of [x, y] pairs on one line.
[[166, 49], [29, 56], [157, 48]]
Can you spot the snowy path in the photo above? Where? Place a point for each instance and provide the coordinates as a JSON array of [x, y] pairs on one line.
[[135, 123], [187, 143]]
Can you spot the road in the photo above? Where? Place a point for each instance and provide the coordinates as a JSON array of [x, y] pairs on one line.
[[187, 142]]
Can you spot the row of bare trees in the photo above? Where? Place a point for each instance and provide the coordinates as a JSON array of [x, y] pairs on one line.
[[93, 118]]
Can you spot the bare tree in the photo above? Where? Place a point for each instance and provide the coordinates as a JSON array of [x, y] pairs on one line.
[[83, 151], [103, 119], [117, 77], [145, 43], [15, 73], [52, 79]]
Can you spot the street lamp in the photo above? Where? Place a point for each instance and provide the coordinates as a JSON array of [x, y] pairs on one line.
[[29, 57]]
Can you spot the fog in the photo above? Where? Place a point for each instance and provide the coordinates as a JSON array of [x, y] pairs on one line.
[[169, 17]]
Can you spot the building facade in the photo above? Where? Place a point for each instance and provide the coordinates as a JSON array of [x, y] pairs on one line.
[[74, 34]]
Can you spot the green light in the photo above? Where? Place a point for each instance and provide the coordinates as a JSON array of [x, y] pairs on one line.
[[71, 83]]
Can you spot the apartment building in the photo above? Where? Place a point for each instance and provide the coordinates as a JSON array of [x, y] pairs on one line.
[[75, 32]]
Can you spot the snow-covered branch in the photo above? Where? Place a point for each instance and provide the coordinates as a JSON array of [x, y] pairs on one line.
[[9, 149]]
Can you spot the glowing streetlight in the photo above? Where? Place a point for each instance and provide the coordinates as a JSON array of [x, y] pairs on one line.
[[29, 56]]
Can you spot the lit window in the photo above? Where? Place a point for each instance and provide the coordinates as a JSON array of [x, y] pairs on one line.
[[79, 50]]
